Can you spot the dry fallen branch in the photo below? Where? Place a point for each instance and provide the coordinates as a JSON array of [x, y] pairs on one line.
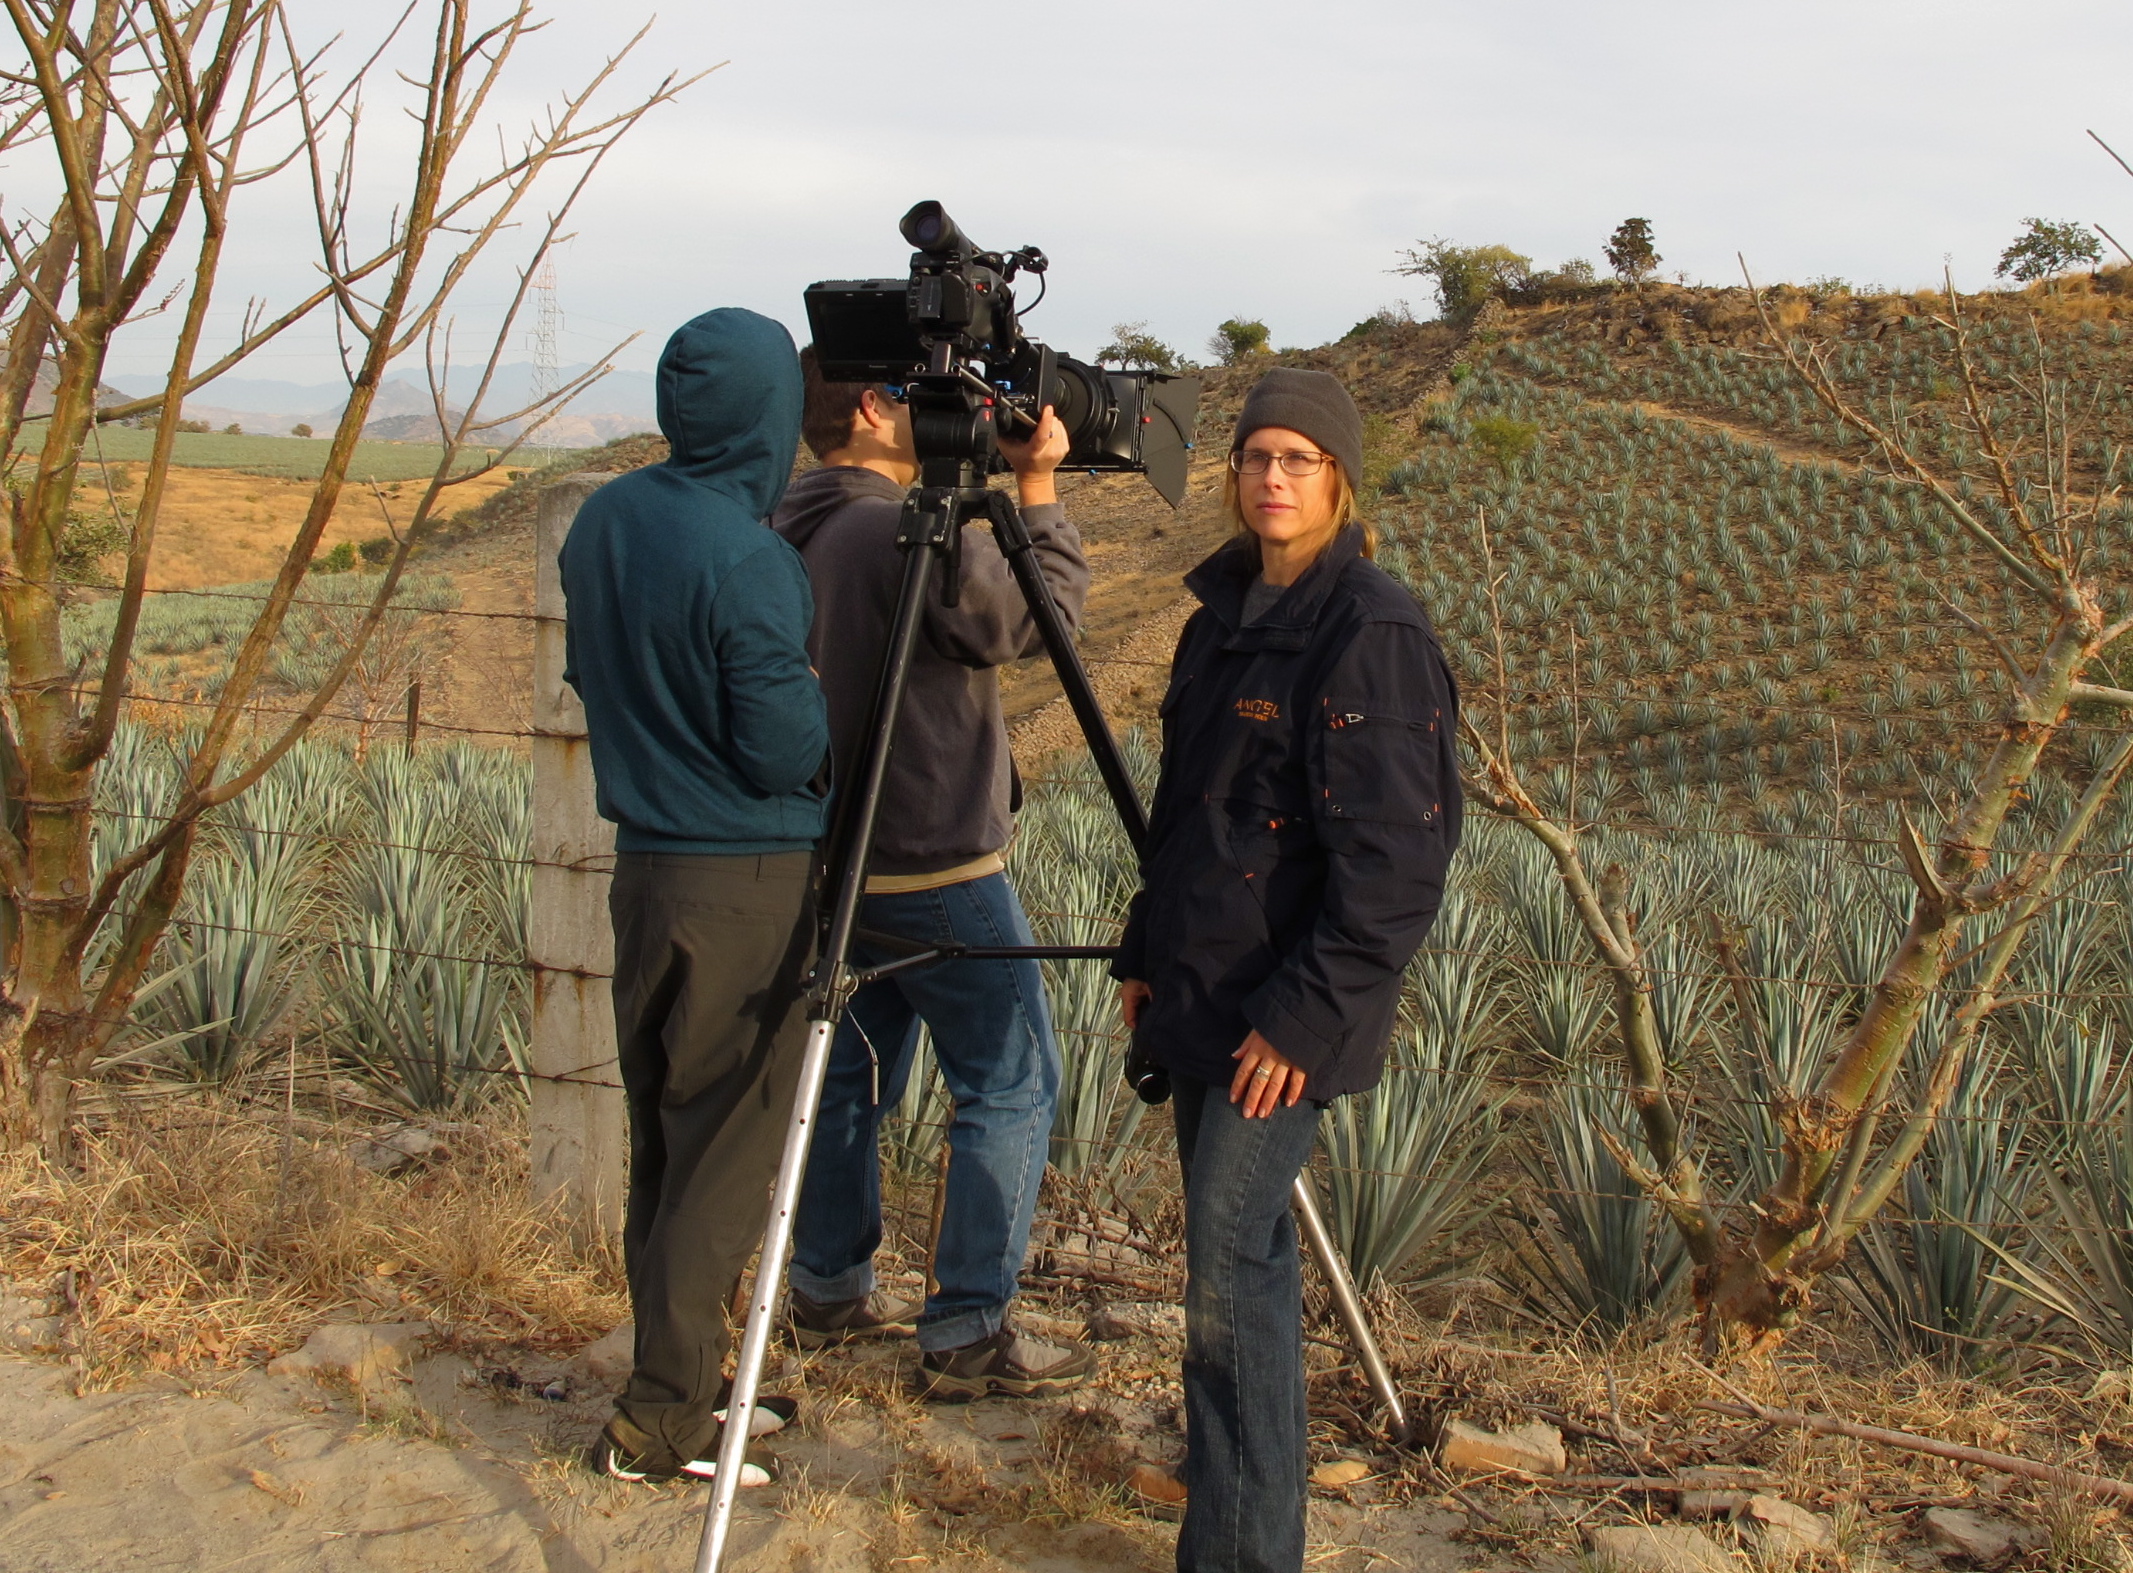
[[2005, 1463]]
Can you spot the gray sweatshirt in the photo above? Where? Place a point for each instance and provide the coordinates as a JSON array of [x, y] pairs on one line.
[[951, 788]]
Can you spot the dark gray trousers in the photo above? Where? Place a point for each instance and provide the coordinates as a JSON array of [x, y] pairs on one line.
[[710, 957]]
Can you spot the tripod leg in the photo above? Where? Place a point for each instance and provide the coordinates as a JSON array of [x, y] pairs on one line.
[[832, 989], [1020, 551], [755, 1341], [1349, 1304]]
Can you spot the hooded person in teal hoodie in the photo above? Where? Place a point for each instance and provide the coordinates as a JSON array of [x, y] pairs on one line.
[[688, 619], [687, 639]]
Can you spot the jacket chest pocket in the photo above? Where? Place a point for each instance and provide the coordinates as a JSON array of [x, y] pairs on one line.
[[1379, 766]]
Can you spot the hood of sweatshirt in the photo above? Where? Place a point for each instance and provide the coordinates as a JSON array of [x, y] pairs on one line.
[[729, 395], [818, 494]]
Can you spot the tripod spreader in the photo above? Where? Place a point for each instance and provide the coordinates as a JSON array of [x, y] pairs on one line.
[[950, 951]]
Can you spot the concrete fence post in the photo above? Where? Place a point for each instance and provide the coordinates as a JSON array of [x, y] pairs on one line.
[[580, 1136]]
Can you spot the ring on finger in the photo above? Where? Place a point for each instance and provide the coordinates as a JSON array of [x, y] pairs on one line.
[[1262, 1073]]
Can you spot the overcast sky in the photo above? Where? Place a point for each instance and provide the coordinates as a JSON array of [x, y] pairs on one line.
[[1183, 162]]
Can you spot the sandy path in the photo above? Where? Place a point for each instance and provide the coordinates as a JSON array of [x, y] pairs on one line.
[[451, 1472]]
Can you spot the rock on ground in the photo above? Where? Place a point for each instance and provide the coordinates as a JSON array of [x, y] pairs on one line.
[[610, 1360], [1338, 1472], [27, 1324], [1786, 1529], [358, 1353], [1976, 1537], [1699, 1502], [1659, 1548], [1530, 1449]]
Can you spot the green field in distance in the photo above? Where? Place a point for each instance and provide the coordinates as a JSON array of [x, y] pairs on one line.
[[290, 458]]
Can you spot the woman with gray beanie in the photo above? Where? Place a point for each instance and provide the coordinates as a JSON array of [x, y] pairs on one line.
[[1307, 811]]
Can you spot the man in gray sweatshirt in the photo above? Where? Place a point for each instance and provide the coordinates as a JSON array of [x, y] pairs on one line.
[[936, 873]]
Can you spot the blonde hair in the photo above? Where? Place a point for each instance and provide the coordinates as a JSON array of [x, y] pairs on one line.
[[1344, 509]]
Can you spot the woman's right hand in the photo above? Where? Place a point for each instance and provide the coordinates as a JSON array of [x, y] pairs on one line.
[[1132, 995]]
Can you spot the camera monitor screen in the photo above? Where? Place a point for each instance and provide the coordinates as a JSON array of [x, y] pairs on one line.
[[863, 331]]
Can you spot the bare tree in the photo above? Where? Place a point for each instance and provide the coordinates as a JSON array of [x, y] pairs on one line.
[[153, 112], [1849, 1139]]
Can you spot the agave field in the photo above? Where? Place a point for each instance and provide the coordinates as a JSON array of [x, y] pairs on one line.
[[1486, 1148], [1689, 608], [1711, 633], [375, 907], [296, 458]]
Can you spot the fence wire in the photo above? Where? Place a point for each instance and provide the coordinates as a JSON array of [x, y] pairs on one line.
[[1506, 1068]]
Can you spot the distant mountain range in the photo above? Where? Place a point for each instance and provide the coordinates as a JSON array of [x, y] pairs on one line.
[[618, 404]]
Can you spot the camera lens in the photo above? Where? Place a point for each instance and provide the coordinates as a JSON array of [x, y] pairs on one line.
[[1082, 401], [928, 227]]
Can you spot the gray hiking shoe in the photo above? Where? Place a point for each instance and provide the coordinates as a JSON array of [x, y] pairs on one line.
[[877, 1315], [1008, 1362]]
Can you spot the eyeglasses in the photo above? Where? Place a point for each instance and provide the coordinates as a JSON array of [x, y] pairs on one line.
[[1249, 461]]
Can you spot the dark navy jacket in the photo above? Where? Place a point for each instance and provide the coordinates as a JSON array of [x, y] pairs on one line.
[[688, 618], [1307, 812]]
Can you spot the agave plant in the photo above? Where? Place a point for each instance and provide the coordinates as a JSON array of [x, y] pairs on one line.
[[2081, 1273], [1931, 1283], [1781, 1038], [1596, 1254], [1075, 872], [134, 790], [231, 977], [432, 1018], [1561, 1004], [1406, 1163], [433, 1025]]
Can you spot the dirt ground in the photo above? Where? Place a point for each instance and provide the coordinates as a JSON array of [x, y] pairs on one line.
[[466, 1466]]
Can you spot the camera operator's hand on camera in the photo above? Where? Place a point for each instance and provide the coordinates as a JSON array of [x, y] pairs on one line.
[[1132, 995], [1034, 458], [1265, 1081]]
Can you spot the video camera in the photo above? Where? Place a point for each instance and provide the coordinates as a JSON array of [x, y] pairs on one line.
[[950, 337]]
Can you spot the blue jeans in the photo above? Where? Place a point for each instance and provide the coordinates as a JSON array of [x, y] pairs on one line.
[[992, 1035], [1244, 1375]]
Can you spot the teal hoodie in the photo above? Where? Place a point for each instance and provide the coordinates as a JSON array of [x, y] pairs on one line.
[[687, 618]]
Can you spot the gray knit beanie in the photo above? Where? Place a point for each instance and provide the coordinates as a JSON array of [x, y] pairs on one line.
[[1312, 402]]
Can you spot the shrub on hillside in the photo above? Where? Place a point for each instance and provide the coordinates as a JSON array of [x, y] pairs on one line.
[[1399, 314], [1133, 345], [1505, 441], [2046, 250], [1630, 251], [1468, 277], [1238, 340]]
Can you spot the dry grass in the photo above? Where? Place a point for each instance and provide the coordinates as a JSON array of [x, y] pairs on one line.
[[1645, 1388], [204, 1237]]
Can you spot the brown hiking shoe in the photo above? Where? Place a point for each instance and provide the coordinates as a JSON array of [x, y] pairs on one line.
[[877, 1315], [1008, 1362]]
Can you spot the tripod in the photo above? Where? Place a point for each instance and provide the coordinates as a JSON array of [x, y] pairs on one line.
[[951, 490]]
